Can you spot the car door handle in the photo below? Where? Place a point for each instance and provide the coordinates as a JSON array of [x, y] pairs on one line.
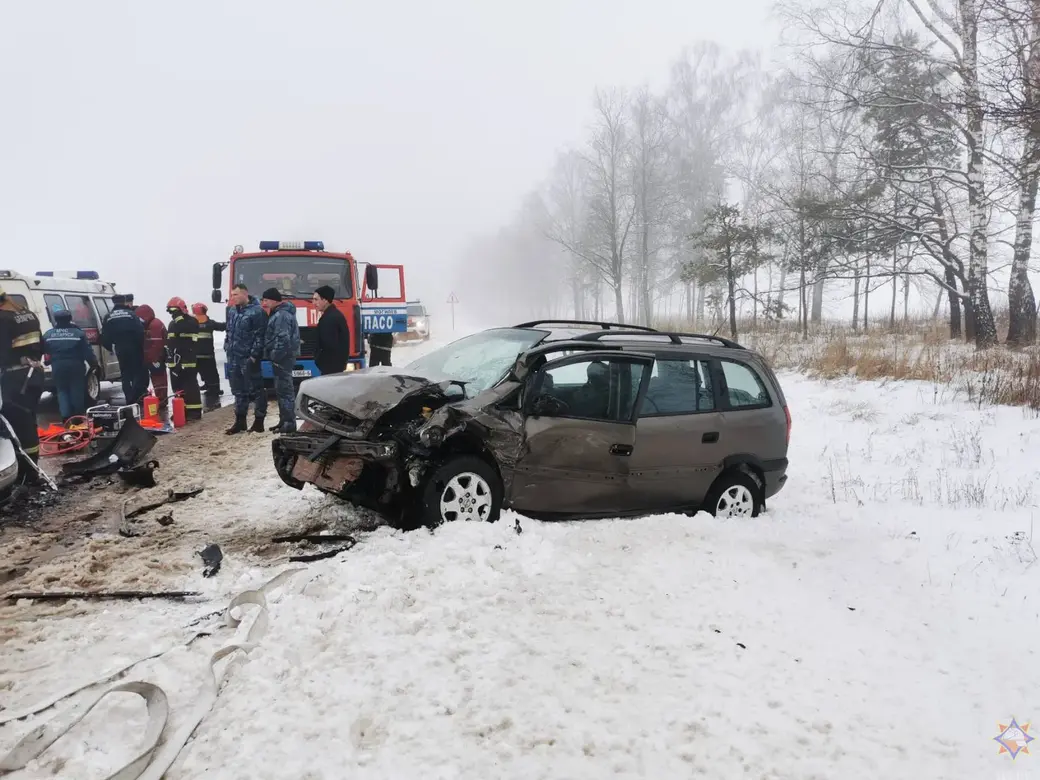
[[710, 438], [620, 449]]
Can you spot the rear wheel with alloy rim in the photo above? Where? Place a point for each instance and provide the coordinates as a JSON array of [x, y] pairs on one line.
[[736, 495]]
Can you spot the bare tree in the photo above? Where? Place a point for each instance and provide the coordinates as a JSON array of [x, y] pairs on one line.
[[1017, 87], [608, 198], [654, 192]]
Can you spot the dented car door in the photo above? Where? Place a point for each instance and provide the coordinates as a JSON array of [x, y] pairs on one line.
[[579, 432]]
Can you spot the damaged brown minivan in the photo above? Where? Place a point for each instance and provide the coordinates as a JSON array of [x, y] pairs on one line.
[[554, 419]]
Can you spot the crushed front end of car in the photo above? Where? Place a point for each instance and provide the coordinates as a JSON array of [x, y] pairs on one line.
[[370, 437]]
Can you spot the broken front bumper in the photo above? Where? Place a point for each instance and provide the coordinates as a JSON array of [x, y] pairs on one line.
[[326, 460]]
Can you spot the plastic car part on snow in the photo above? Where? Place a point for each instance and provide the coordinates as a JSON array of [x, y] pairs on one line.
[[127, 450]]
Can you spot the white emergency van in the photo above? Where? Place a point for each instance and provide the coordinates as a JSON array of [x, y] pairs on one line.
[[82, 293]]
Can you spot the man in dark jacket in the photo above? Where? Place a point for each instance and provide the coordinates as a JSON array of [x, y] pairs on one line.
[[244, 346], [71, 358], [155, 353], [181, 357], [21, 378], [333, 348], [207, 353], [282, 347], [123, 333]]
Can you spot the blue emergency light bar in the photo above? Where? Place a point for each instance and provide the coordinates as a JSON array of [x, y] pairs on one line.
[[307, 246], [86, 275]]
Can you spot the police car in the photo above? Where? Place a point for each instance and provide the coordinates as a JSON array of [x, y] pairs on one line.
[[82, 293]]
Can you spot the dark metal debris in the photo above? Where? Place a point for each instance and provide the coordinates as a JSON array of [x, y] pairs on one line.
[[172, 497], [318, 556], [110, 594], [142, 475], [211, 557], [316, 538]]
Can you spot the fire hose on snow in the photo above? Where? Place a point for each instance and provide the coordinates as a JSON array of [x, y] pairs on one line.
[[160, 744]]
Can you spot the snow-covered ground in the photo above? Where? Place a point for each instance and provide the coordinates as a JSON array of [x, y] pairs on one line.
[[879, 621]]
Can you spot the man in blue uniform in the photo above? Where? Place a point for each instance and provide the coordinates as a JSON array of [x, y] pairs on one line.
[[71, 358], [123, 333], [282, 347], [244, 347]]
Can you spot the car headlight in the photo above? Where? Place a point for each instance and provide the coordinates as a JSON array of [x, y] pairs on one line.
[[431, 436]]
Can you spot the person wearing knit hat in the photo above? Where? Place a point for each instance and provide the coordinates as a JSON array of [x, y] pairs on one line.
[[122, 332], [282, 348]]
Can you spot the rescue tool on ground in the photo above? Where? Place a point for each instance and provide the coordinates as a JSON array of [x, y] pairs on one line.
[[298, 268]]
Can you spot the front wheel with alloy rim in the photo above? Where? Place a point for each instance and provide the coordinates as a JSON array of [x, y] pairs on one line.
[[463, 488], [735, 494]]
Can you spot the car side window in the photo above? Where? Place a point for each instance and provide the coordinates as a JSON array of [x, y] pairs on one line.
[[104, 307], [593, 389], [744, 388], [51, 301], [20, 300], [678, 387], [82, 312]]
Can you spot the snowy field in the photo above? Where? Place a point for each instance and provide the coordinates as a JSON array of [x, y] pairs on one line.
[[879, 621]]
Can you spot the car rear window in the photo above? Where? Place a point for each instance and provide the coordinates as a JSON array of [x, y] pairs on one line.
[[679, 386], [744, 388]]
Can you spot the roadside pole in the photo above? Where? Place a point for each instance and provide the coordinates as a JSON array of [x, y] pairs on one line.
[[452, 300]]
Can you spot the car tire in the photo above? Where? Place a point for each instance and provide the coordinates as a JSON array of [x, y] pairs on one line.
[[93, 388], [734, 495], [463, 488]]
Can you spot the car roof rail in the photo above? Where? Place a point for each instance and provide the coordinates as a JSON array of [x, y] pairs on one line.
[[673, 337], [709, 337], [606, 326]]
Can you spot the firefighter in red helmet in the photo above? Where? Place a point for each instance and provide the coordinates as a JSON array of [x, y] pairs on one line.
[[182, 357], [207, 356]]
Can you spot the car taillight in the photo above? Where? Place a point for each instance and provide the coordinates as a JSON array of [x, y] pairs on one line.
[[411, 320], [787, 414]]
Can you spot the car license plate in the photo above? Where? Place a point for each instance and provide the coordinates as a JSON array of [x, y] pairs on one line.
[[301, 372]]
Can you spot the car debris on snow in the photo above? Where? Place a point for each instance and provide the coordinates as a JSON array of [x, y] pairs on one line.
[[212, 558], [97, 595], [142, 475]]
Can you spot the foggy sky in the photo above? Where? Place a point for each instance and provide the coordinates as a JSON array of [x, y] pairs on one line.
[[145, 140]]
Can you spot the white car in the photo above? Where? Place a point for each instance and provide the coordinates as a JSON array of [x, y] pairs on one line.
[[8, 457]]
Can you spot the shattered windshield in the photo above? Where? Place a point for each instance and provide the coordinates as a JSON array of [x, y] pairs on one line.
[[479, 360]]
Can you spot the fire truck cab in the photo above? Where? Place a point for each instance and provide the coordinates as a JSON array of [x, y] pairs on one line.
[[298, 268]]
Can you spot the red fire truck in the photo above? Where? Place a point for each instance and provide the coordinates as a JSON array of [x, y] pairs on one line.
[[297, 269]]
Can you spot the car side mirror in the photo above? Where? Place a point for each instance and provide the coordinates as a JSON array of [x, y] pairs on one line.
[[218, 272], [216, 297], [372, 278], [547, 406]]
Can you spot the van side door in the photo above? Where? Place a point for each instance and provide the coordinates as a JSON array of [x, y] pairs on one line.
[[108, 360]]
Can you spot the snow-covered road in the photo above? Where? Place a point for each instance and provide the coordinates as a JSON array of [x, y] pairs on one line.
[[878, 621]]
